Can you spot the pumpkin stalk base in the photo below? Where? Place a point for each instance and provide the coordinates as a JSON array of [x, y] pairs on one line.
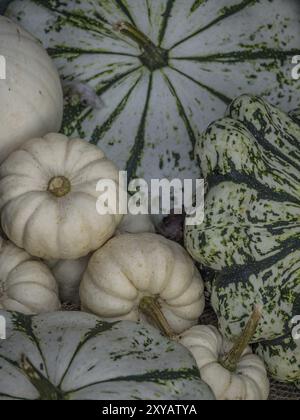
[[231, 360], [59, 186], [153, 57], [151, 309], [46, 390]]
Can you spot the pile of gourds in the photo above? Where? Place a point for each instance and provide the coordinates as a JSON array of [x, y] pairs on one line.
[[141, 295]]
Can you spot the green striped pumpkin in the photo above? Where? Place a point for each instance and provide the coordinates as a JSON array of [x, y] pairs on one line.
[[251, 233], [282, 358], [152, 103], [74, 356]]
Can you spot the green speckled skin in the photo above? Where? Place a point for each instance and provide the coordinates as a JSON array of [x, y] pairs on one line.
[[83, 358], [151, 120], [251, 233], [282, 358]]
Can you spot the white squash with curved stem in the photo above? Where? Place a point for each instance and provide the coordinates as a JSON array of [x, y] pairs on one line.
[[31, 98], [68, 273], [48, 196], [26, 285], [233, 372], [132, 272]]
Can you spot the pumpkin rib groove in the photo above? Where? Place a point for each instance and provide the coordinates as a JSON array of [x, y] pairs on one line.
[[138, 147], [147, 377], [209, 89], [100, 328], [165, 21], [181, 111], [235, 57], [69, 129], [23, 324], [125, 10], [229, 276], [227, 12], [61, 50], [99, 132], [264, 192], [260, 137]]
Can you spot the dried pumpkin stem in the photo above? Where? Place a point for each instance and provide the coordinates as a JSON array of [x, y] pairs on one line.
[[231, 360], [153, 56], [152, 310], [59, 186], [46, 390]]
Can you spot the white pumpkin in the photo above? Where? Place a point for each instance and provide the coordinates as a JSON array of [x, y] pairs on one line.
[[136, 274], [68, 274], [48, 197], [140, 223], [26, 285], [233, 372], [31, 99]]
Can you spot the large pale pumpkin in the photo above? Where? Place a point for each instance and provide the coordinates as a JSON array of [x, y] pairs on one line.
[[131, 268], [26, 285], [31, 99], [74, 356], [251, 232], [162, 70], [48, 197]]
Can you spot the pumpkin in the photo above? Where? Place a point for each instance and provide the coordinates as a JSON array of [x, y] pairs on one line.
[[138, 223], [31, 99], [134, 274], [143, 79], [74, 356], [26, 285], [68, 275], [48, 197], [250, 236], [232, 371], [282, 358]]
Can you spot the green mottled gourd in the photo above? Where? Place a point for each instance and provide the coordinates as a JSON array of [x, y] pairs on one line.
[[144, 79], [251, 233], [75, 356]]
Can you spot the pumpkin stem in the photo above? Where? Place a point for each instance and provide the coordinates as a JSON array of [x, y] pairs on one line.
[[231, 360], [46, 390], [152, 310], [59, 186], [152, 57]]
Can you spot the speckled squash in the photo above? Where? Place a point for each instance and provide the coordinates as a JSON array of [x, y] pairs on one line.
[[146, 103], [74, 356], [251, 232], [282, 358]]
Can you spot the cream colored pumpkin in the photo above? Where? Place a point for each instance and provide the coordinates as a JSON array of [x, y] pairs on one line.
[[31, 99], [26, 285], [68, 274], [48, 197], [140, 223], [249, 381], [130, 268]]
